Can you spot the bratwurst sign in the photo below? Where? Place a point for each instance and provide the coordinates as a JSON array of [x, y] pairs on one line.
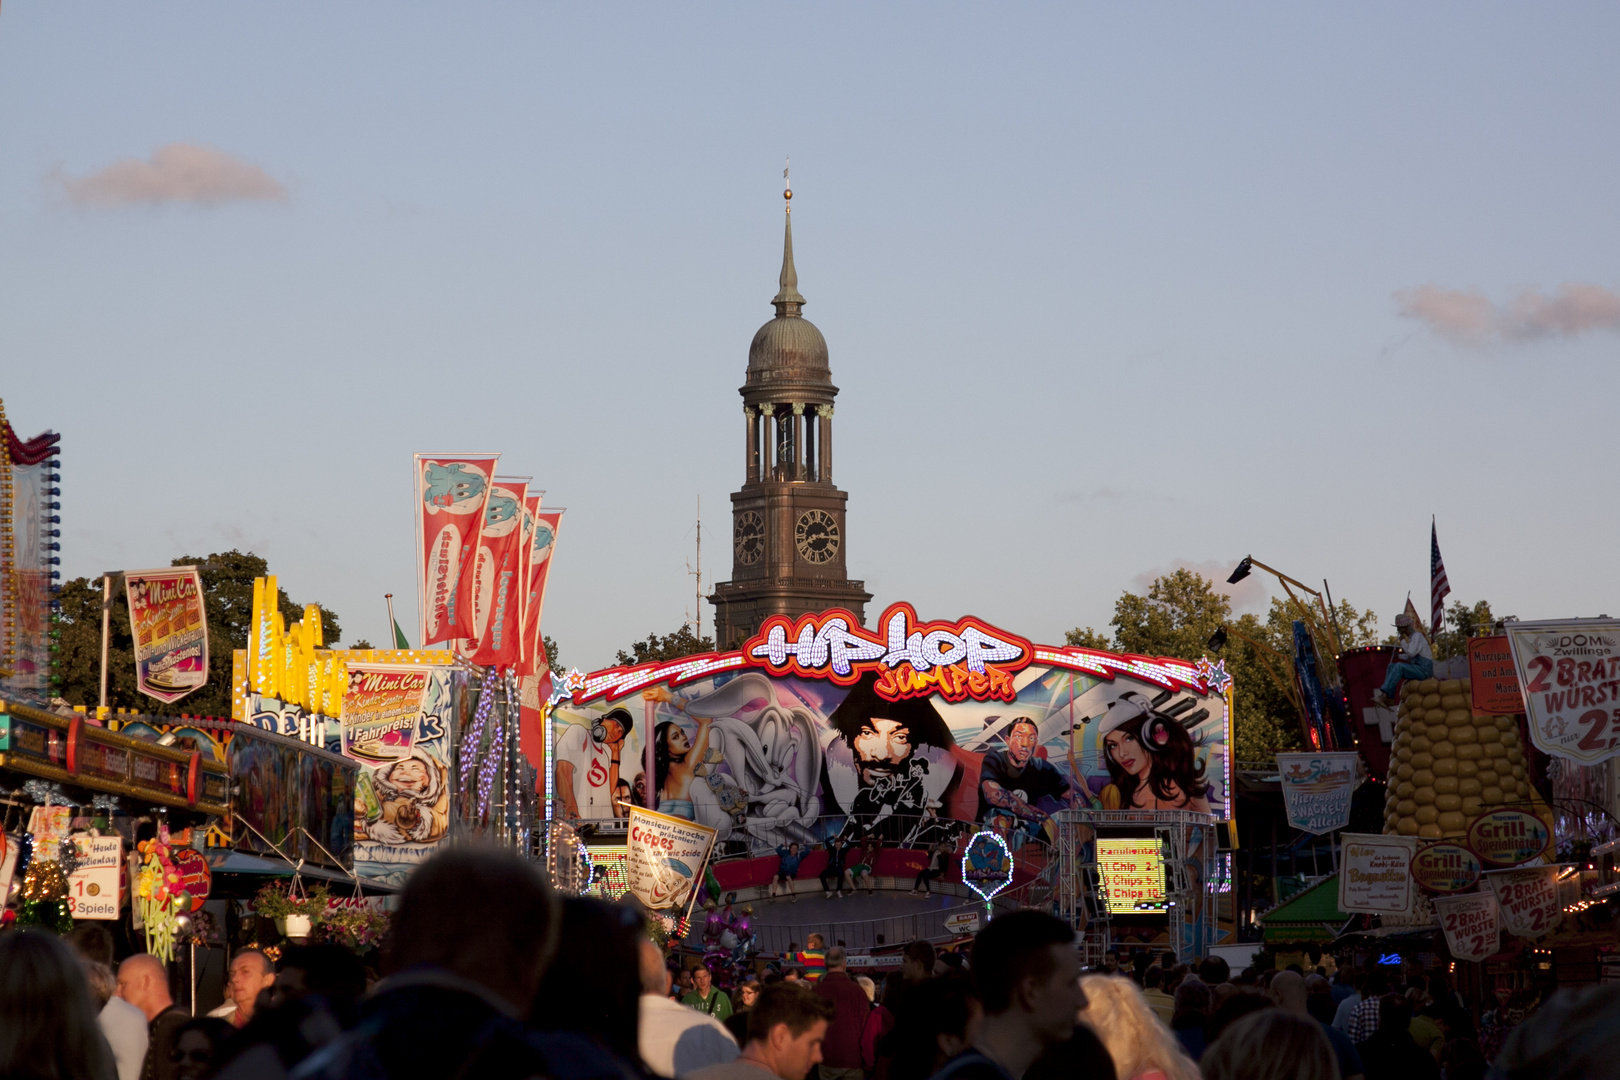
[[1569, 671]]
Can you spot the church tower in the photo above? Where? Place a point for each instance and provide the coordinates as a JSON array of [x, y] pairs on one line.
[[788, 537]]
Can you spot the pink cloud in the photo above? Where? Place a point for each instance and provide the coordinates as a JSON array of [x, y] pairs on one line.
[[183, 173], [1469, 318]]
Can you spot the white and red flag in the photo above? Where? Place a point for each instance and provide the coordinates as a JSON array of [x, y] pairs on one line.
[[452, 494]]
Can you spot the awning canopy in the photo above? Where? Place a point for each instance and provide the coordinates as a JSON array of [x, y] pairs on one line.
[[238, 862], [1313, 915]]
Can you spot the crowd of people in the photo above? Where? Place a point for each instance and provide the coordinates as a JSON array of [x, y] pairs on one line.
[[489, 973]]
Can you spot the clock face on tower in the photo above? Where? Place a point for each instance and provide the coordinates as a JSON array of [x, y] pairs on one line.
[[816, 536], [748, 538]]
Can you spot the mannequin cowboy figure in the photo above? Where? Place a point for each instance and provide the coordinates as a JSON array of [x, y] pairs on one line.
[[1414, 660]]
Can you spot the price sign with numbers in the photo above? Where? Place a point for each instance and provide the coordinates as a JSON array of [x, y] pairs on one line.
[[93, 886], [1528, 898], [1569, 672], [1472, 925]]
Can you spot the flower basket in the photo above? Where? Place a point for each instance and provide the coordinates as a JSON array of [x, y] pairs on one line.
[[296, 927]]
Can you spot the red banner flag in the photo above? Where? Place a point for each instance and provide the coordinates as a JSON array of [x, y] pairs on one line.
[[452, 491], [543, 546], [498, 586]]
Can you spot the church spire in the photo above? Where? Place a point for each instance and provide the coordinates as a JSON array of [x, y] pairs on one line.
[[787, 300]]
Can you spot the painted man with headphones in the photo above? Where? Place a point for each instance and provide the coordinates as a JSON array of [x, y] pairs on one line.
[[588, 765]]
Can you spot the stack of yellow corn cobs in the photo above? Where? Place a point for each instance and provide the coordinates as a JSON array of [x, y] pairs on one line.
[[1449, 764]]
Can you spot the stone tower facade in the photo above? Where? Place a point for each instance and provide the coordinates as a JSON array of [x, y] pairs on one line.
[[788, 537]]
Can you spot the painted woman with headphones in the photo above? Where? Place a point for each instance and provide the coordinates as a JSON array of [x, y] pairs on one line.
[[1152, 764]]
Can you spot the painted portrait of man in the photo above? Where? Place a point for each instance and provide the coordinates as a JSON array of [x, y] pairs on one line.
[[888, 765]]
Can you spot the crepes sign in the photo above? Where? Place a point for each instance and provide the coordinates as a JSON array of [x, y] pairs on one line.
[[664, 857]]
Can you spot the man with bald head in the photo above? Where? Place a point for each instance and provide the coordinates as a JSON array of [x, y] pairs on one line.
[[1289, 991], [144, 983]]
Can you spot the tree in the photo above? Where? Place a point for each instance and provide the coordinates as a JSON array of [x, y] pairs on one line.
[[1182, 611], [227, 581], [552, 652], [1459, 623], [682, 642]]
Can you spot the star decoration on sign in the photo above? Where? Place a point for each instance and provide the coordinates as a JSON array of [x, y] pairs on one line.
[[1214, 674], [574, 681]]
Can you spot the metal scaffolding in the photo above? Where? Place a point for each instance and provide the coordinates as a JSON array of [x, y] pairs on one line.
[[1188, 843]]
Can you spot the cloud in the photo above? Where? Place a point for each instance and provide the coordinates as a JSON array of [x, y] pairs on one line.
[[1250, 594], [1469, 318], [183, 173]]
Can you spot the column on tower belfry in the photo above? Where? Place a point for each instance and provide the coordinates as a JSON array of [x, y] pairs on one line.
[[812, 446], [824, 443], [750, 444], [767, 436], [798, 442]]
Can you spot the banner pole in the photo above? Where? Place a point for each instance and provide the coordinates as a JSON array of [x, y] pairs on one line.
[[390, 632], [106, 621]]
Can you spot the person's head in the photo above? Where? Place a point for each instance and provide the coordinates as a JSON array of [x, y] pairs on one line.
[[1022, 738], [93, 941], [598, 960], [1377, 983], [791, 975], [1462, 1059], [1234, 1007], [934, 1022], [102, 982], [837, 958], [1025, 963], [1111, 961], [614, 725], [1153, 750], [815, 942], [748, 993], [1394, 1013], [1116, 1010], [1214, 971], [1192, 998], [1288, 991], [917, 962], [702, 980], [196, 1046], [654, 972], [328, 971], [785, 1029], [1271, 1044], [144, 983], [685, 979], [1153, 978], [865, 983], [882, 735], [50, 1028], [1403, 625], [447, 920], [670, 744], [251, 973]]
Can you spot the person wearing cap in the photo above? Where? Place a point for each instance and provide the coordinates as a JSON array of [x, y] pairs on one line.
[[1152, 763], [1413, 661], [588, 765]]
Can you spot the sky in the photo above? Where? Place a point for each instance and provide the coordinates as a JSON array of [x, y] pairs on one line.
[[1108, 289]]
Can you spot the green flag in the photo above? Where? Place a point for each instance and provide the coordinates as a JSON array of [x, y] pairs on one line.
[[399, 637]]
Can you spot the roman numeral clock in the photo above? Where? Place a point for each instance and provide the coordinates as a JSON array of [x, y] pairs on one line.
[[787, 531]]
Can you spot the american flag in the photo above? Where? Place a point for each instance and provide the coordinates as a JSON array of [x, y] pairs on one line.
[[1439, 587]]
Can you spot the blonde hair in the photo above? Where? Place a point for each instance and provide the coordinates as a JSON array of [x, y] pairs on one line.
[[865, 983], [1119, 1015], [1272, 1044]]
